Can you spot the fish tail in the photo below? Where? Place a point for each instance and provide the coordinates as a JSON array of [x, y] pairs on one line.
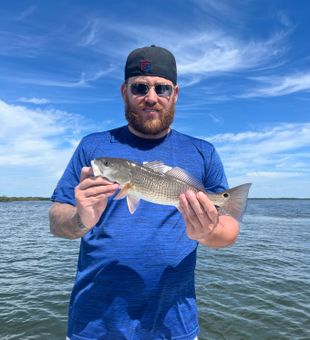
[[236, 205]]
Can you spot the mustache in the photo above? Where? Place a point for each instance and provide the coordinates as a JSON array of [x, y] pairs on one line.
[[151, 106]]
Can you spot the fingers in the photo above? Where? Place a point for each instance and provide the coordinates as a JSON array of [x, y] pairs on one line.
[[86, 172], [91, 196], [98, 190], [96, 187], [93, 181], [87, 179], [93, 187], [208, 207], [199, 213], [188, 214], [198, 206]]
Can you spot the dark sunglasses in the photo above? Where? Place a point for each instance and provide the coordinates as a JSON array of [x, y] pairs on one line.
[[141, 89]]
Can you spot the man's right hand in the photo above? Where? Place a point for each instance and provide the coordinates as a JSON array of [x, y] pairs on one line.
[[91, 196]]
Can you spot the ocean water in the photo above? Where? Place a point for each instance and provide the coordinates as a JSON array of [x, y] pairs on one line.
[[257, 289]]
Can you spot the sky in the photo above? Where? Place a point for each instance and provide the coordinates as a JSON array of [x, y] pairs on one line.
[[243, 73]]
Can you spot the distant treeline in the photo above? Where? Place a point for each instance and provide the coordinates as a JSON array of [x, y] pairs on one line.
[[279, 198], [30, 198], [36, 198]]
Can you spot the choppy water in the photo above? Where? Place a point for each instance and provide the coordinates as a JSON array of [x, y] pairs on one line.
[[258, 289]]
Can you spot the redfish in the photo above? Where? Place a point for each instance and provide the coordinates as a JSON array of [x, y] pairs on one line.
[[158, 183]]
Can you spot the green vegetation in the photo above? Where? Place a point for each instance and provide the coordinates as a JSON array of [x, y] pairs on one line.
[[30, 198]]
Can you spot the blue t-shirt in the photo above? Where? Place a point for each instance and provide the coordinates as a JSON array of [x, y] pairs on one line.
[[135, 275]]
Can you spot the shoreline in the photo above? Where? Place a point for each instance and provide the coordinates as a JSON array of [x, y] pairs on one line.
[[40, 198], [26, 198]]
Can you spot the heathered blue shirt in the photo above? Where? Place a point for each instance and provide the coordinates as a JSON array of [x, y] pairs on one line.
[[135, 275]]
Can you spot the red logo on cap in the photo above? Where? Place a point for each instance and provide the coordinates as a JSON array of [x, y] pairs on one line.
[[145, 66]]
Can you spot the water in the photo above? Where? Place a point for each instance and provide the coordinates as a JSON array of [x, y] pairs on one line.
[[258, 289]]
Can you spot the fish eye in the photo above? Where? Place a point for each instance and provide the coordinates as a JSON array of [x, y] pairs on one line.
[[226, 195], [106, 163]]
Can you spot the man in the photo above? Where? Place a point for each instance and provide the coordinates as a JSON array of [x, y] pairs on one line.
[[135, 276]]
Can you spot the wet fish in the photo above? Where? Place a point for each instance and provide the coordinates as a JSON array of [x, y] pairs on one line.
[[158, 183]]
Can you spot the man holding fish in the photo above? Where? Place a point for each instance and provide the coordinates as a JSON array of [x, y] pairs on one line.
[[135, 276]]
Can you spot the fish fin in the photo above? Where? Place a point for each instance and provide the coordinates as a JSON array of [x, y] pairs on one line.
[[133, 203], [237, 202], [157, 166], [124, 191], [184, 176], [132, 200]]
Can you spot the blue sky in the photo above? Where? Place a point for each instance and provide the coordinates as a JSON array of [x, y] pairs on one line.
[[244, 77]]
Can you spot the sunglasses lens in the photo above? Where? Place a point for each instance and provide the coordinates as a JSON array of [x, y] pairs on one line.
[[139, 89], [163, 90]]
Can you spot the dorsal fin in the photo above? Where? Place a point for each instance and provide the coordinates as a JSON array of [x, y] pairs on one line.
[[184, 176], [157, 166]]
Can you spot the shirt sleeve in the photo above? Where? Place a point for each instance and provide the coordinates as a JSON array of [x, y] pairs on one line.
[[215, 175], [64, 191]]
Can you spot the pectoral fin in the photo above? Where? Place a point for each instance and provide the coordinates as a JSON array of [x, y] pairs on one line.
[[124, 191], [132, 202]]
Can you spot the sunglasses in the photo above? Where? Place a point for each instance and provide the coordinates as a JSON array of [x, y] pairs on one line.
[[141, 89]]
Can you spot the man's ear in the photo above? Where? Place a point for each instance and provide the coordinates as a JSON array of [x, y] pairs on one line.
[[123, 91], [176, 93]]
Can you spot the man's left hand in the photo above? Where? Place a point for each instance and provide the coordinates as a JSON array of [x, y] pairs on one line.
[[200, 215], [203, 222]]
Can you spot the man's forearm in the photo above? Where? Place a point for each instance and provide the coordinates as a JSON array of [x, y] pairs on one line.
[[64, 221]]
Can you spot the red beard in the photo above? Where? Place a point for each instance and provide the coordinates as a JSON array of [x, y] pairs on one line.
[[151, 126]]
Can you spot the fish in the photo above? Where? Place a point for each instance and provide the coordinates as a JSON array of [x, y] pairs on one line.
[[159, 183]]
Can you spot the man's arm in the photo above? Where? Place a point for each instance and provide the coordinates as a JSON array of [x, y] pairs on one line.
[[203, 223], [91, 196], [64, 221]]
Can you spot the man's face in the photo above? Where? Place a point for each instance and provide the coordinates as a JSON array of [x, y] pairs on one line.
[[151, 113]]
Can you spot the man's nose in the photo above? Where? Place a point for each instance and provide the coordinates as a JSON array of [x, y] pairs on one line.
[[151, 97]]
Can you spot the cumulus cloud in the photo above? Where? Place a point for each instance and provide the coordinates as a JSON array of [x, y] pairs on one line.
[[35, 137], [36, 145], [268, 158]]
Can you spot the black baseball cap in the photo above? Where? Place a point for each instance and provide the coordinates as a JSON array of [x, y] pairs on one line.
[[151, 61]]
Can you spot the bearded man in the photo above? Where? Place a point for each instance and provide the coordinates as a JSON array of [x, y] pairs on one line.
[[135, 275]]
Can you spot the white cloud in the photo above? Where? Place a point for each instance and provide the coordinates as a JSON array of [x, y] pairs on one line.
[[217, 52], [30, 138], [269, 158], [203, 51], [222, 11], [200, 52], [273, 174], [281, 86], [34, 100], [35, 146], [26, 13], [84, 81]]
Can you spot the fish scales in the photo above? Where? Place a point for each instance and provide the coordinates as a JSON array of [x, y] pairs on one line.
[[156, 186]]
